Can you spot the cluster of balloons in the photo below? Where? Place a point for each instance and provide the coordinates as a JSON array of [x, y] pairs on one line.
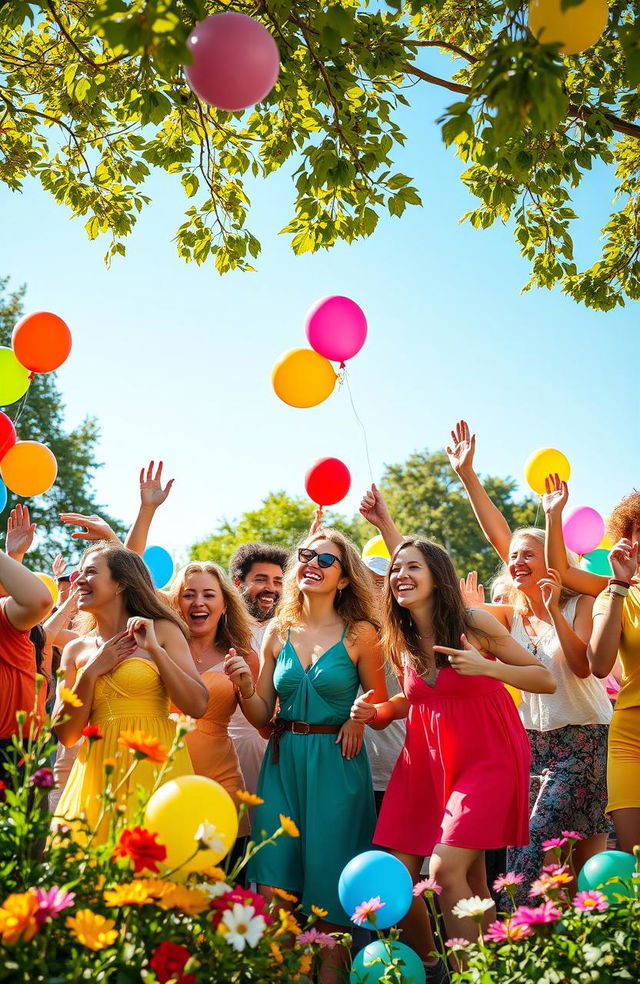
[[371, 874], [573, 29], [159, 564], [235, 61], [583, 527], [40, 343]]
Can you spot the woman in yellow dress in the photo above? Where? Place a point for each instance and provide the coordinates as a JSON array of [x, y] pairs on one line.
[[130, 662]]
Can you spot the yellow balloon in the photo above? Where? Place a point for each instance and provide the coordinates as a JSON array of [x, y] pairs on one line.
[[179, 808], [605, 542], [14, 378], [376, 547], [29, 468], [515, 693], [545, 461], [303, 378], [574, 29], [51, 585]]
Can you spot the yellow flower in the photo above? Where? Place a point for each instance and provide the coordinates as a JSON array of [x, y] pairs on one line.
[[189, 900], [287, 896], [288, 924], [67, 696], [306, 961], [18, 917], [143, 745], [214, 873], [92, 929], [317, 911], [276, 952], [289, 826], [133, 893], [249, 798]]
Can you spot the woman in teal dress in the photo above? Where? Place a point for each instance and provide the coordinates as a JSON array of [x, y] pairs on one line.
[[320, 649]]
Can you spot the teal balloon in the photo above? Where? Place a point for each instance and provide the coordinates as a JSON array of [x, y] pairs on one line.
[[3, 495], [371, 964], [608, 864], [160, 564], [597, 562]]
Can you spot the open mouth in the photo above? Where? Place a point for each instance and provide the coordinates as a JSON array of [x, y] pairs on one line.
[[198, 618], [312, 575]]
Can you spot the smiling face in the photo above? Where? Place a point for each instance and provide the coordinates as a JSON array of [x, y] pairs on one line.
[[411, 580], [526, 562], [96, 586], [313, 579], [261, 590], [202, 603]]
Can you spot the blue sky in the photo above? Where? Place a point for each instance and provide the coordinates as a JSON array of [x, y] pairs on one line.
[[175, 361]]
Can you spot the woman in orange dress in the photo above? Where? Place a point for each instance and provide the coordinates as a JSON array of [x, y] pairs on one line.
[[216, 616]]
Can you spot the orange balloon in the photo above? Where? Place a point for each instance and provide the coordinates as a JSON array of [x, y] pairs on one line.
[[303, 378], [41, 341], [29, 468]]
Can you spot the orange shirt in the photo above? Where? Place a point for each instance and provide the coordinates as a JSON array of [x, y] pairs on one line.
[[17, 673]]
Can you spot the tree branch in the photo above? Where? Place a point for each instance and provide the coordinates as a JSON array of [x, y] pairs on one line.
[[85, 58], [447, 46]]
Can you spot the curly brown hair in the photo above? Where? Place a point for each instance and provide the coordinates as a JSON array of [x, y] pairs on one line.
[[624, 517]]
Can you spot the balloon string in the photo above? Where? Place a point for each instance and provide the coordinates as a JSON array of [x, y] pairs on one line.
[[23, 403], [345, 376], [535, 522]]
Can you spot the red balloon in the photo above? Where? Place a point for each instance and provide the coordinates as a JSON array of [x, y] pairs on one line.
[[7, 434], [41, 341], [327, 481], [235, 61]]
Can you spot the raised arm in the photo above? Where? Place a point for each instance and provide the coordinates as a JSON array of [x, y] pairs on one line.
[[573, 639], [29, 600], [492, 522], [257, 698], [95, 528], [152, 495], [609, 613], [57, 625], [374, 509], [574, 578], [168, 648], [20, 533]]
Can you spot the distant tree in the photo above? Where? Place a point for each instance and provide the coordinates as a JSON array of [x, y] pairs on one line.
[[39, 416], [281, 519]]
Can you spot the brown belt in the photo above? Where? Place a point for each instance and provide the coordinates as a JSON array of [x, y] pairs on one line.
[[280, 725]]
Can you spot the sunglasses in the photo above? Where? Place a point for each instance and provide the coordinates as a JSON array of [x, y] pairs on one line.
[[306, 555]]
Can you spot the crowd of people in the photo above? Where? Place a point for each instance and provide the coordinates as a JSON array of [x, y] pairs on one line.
[[369, 700]]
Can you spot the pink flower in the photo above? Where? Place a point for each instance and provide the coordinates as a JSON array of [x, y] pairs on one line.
[[42, 778], [52, 901], [510, 880], [572, 835], [555, 869], [554, 842], [524, 915], [507, 930], [315, 936], [426, 885], [457, 943], [550, 881], [591, 901], [366, 910]]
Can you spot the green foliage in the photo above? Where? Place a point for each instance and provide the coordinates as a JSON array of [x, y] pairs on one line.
[[93, 96], [39, 416]]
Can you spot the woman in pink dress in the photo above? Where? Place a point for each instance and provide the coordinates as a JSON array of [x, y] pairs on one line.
[[461, 783]]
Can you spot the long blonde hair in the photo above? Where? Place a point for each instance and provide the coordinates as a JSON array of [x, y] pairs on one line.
[[518, 599], [234, 628], [354, 603]]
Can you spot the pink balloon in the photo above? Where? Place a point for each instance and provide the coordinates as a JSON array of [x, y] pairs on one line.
[[235, 61], [336, 328], [583, 529]]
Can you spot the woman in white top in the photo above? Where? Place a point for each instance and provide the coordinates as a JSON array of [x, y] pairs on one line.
[[567, 729]]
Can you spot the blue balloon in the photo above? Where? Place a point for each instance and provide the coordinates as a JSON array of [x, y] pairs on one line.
[[160, 564], [373, 961], [376, 873], [3, 495], [597, 562], [599, 868]]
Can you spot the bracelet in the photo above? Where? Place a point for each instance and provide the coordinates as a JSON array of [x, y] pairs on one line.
[[617, 589], [623, 584], [248, 696]]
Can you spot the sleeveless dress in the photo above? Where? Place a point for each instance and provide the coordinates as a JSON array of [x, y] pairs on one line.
[[329, 797], [462, 777], [131, 697], [210, 747]]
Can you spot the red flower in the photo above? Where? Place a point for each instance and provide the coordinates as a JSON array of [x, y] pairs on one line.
[[245, 897], [140, 845], [3, 795], [168, 961], [92, 732]]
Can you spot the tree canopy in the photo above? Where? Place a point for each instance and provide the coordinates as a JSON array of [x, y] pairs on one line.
[[93, 96]]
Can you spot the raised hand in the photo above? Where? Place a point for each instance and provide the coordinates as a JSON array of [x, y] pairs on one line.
[[624, 559], [468, 661], [20, 532], [374, 508], [362, 710], [151, 492], [551, 589], [317, 521], [142, 631], [58, 566], [96, 528], [351, 735], [472, 592], [239, 672], [556, 494], [462, 448]]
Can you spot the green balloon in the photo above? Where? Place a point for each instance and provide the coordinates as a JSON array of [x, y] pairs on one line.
[[597, 562], [608, 864], [14, 378]]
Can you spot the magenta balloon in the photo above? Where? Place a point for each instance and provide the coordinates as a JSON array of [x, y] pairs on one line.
[[583, 529], [235, 61], [336, 328]]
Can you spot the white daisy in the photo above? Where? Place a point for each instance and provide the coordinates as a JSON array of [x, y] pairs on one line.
[[213, 889], [183, 723], [473, 908], [243, 926], [207, 838]]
